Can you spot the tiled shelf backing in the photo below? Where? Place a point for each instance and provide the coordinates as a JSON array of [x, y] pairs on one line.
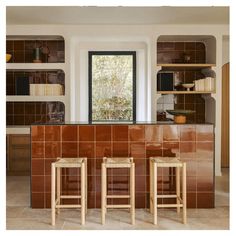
[[35, 77], [173, 52], [184, 102], [192, 143], [22, 51], [27, 113]]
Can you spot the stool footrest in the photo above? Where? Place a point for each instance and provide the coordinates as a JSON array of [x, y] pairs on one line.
[[118, 165], [69, 197], [118, 206], [68, 206], [169, 205], [118, 196], [167, 196]]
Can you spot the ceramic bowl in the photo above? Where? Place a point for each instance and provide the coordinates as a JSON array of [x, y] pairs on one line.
[[180, 112], [188, 86], [8, 57]]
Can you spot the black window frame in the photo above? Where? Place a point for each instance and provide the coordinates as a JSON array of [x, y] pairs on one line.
[[90, 55]]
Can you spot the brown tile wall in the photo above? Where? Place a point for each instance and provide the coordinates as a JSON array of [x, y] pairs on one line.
[[35, 77], [27, 113], [191, 143], [173, 52], [22, 50]]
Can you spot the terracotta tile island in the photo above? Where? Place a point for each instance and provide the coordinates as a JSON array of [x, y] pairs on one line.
[[192, 143]]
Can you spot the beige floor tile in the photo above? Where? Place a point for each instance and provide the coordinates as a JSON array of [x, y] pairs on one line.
[[32, 224], [14, 211], [18, 199]]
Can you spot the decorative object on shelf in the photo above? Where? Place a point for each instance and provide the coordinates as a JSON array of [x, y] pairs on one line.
[[8, 57], [188, 86], [36, 89], [187, 58], [55, 114], [22, 85], [177, 78], [38, 53], [46, 89], [161, 115], [180, 115], [165, 81], [207, 84]]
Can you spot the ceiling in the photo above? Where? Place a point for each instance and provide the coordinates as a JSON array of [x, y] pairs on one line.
[[76, 15]]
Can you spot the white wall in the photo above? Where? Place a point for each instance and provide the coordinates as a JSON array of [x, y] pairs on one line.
[[146, 34]]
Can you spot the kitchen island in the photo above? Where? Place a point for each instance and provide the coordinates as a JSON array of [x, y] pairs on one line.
[[192, 143]]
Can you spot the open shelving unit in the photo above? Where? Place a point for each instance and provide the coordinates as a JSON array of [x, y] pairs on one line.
[[21, 47], [171, 51]]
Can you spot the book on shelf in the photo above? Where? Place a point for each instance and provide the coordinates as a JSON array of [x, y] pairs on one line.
[[207, 84], [46, 89]]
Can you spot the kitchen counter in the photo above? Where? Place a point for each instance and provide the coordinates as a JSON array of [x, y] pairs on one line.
[[120, 123], [192, 143]]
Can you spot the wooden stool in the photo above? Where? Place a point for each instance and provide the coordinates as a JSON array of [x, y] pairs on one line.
[[167, 162], [118, 163], [56, 186]]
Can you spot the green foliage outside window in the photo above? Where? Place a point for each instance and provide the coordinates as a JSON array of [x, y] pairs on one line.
[[112, 87]]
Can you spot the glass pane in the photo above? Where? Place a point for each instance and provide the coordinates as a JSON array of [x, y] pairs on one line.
[[112, 87]]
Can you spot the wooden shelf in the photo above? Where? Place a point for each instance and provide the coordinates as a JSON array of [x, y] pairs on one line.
[[187, 65], [34, 37], [28, 98], [185, 92], [35, 66]]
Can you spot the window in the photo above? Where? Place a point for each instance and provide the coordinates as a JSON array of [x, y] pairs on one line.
[[112, 87]]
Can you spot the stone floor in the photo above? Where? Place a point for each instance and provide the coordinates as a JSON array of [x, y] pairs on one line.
[[21, 216]]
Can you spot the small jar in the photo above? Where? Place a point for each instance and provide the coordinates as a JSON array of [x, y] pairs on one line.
[[37, 55]]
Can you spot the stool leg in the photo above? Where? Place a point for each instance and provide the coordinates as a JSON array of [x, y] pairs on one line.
[[132, 193], [86, 186], [170, 177], [82, 194], [151, 187], [173, 178], [184, 193], [58, 188], [154, 193], [53, 193], [103, 205], [178, 188]]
